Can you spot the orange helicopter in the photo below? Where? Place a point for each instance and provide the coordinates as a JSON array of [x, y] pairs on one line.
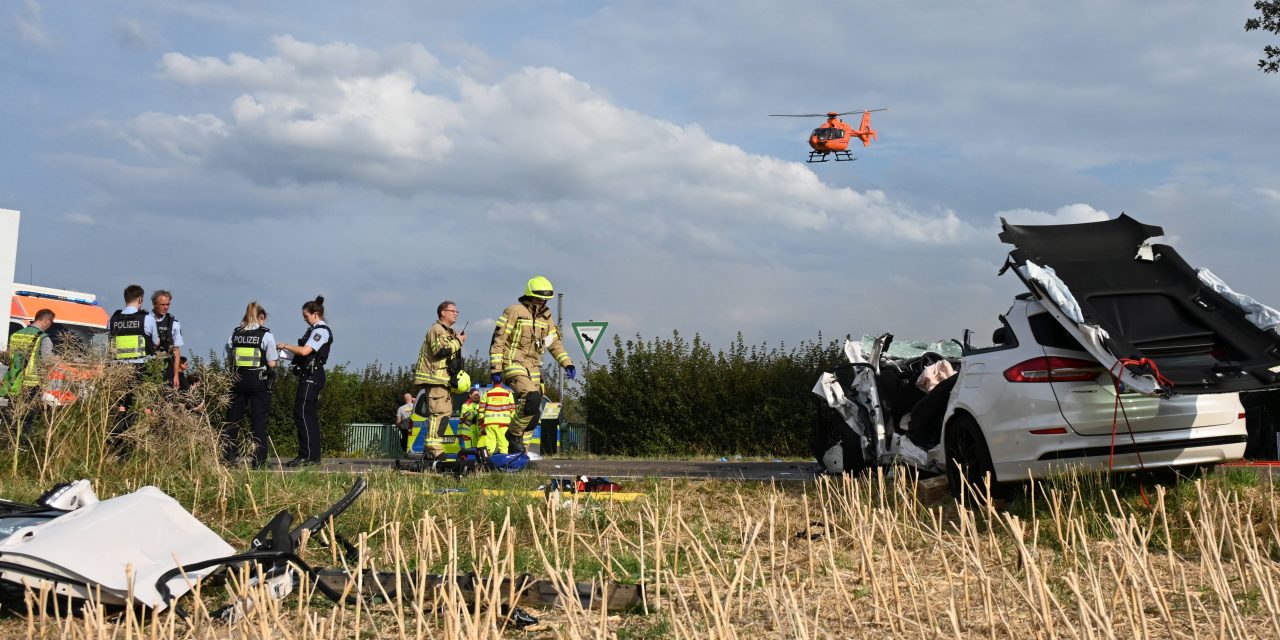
[[832, 138]]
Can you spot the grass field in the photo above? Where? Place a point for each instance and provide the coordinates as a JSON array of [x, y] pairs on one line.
[[842, 558], [1080, 557]]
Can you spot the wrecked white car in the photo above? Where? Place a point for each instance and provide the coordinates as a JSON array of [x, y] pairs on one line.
[[1120, 356]]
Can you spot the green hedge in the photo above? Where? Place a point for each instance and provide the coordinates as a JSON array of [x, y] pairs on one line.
[[659, 397], [677, 397]]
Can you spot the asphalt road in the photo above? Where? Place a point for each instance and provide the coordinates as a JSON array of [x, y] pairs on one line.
[[729, 470]]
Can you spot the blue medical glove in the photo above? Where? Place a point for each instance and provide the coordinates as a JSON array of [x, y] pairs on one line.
[[496, 378], [571, 371]]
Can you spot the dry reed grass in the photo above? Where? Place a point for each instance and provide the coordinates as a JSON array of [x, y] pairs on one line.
[[725, 561], [835, 558], [170, 430]]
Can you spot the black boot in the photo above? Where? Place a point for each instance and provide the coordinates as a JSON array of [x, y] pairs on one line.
[[515, 444]]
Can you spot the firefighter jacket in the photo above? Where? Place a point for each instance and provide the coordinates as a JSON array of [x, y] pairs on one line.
[[24, 358], [439, 347], [497, 407], [519, 340]]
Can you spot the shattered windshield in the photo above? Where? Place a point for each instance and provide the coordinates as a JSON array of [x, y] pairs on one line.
[[905, 348]]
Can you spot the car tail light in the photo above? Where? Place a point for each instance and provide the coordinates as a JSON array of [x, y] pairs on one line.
[[1241, 416], [1054, 369]]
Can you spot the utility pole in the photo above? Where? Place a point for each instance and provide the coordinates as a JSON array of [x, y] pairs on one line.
[[564, 402], [560, 327]]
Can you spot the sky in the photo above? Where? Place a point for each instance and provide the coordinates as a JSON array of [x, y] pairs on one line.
[[392, 154]]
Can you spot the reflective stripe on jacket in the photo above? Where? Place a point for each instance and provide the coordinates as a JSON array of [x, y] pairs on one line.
[[497, 406], [247, 348], [128, 333], [439, 345], [520, 338], [470, 414], [25, 343]]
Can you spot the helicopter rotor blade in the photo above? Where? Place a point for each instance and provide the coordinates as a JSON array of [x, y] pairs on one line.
[[823, 115], [861, 111]]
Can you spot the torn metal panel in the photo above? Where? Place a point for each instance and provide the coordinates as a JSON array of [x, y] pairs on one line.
[[828, 388], [95, 549], [144, 549]]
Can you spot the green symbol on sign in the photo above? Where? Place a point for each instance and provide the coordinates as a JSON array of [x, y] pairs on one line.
[[589, 335]]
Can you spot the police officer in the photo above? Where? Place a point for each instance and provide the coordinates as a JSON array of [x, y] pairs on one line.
[[523, 332], [30, 351], [169, 333], [439, 362], [133, 338], [309, 358], [251, 352]]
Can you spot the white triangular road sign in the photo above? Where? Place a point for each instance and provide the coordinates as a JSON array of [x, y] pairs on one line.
[[589, 334]]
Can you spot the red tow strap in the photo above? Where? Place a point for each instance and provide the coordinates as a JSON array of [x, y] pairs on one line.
[[1118, 410]]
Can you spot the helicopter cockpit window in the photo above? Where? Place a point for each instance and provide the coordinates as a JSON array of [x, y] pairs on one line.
[[828, 133]]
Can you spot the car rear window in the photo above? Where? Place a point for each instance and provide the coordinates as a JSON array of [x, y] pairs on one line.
[[1050, 333]]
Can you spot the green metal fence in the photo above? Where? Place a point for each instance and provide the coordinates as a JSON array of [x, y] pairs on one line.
[[372, 440], [573, 439]]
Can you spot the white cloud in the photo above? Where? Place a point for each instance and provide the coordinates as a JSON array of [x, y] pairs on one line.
[[394, 121], [1070, 214], [28, 22], [80, 218], [298, 68], [1272, 195]]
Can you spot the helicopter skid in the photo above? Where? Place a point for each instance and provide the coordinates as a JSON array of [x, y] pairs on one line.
[[821, 156]]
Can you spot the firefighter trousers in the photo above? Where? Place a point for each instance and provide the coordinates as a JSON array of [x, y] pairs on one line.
[[522, 387]]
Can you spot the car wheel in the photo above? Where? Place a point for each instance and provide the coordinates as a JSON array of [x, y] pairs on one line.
[[969, 467]]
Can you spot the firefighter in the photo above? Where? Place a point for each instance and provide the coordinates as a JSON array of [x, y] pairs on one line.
[[497, 406], [309, 357], [133, 338], [251, 351], [470, 417], [439, 363], [30, 351], [523, 332], [418, 421], [169, 335]]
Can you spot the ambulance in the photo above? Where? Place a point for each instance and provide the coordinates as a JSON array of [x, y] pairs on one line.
[[77, 316]]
